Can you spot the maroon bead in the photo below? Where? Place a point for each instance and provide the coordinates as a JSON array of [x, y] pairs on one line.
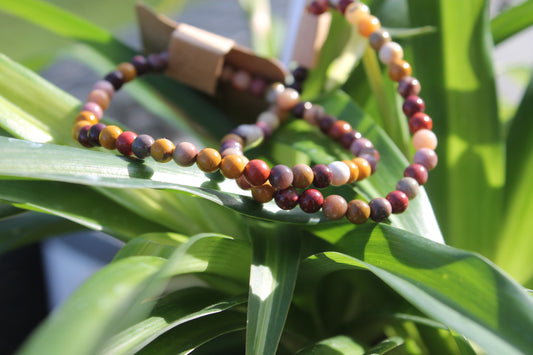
[[412, 105], [124, 142], [242, 183], [370, 151], [408, 86], [116, 79], [420, 121], [338, 129], [380, 209], [286, 199], [258, 87], [342, 5], [256, 172], [325, 123], [318, 7], [311, 200], [349, 137], [417, 172], [398, 200], [300, 73], [359, 144], [299, 109], [94, 134], [83, 137], [372, 161], [158, 61], [322, 176], [141, 64], [267, 130], [281, 177]]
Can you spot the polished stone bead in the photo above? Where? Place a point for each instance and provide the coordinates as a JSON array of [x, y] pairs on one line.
[[77, 128], [299, 109], [230, 143], [349, 137], [108, 137], [412, 105], [157, 61], [263, 193], [359, 144], [318, 7], [94, 108], [250, 133], [256, 172], [380, 209], [409, 86], [355, 12], [128, 71], [372, 161], [124, 142], [326, 122], [313, 114], [408, 186], [334, 207], [398, 201], [322, 176], [105, 86], [370, 151], [162, 150], [424, 138], [426, 157], [378, 38], [270, 118], [273, 91], [241, 80], [94, 134], [231, 151], [281, 177], [208, 160], [358, 211], [303, 176], [185, 154], [142, 146], [417, 172], [343, 4], [365, 170], [87, 116], [99, 97], [258, 87], [232, 166], [340, 172], [116, 78], [242, 183], [141, 64], [354, 171], [420, 121], [233, 137], [390, 52], [338, 129], [265, 128], [311, 200], [287, 99], [300, 73], [83, 136], [286, 199], [399, 70]]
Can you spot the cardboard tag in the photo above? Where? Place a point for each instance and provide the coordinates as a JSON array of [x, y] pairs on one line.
[[312, 34]]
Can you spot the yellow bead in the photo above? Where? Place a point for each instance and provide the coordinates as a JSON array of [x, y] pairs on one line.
[[128, 71], [108, 137], [364, 168], [263, 193], [355, 12], [77, 128], [399, 70], [368, 25], [354, 170], [87, 116], [162, 150], [208, 160], [232, 166]]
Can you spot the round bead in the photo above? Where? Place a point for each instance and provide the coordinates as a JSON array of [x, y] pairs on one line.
[[116, 79], [241, 80], [258, 87], [359, 144], [94, 108], [343, 4], [358, 212], [99, 97], [349, 137], [256, 172], [273, 91], [340, 171], [232, 166], [230, 143], [399, 70], [250, 133], [398, 200], [378, 38], [417, 172], [263, 193], [420, 121], [77, 128], [334, 207], [424, 138], [242, 183], [322, 176], [281, 177], [365, 170], [106, 87], [426, 157], [86, 116], [355, 12], [303, 176], [142, 146], [128, 71], [409, 86], [318, 7], [231, 151], [208, 160], [408, 186], [286, 199], [124, 142], [108, 137], [300, 73], [380, 209], [338, 129], [299, 109], [185, 154], [287, 99], [311, 200], [162, 150], [157, 61], [313, 114], [270, 118], [94, 134], [141, 64], [412, 105], [325, 123], [367, 25], [354, 170], [390, 52], [233, 137], [370, 151], [83, 137]]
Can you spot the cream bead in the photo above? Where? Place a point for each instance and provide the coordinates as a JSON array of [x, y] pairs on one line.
[[270, 118], [390, 53], [287, 99], [341, 173], [355, 12], [424, 138]]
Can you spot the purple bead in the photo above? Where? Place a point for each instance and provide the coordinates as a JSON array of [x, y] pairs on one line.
[[408, 186], [299, 109], [380, 209], [359, 144], [141, 64], [370, 151], [398, 200], [300, 73], [141, 146], [311, 201], [371, 160], [83, 137], [116, 78], [349, 137], [94, 108], [298, 86], [322, 176], [158, 61], [286, 199], [281, 177], [409, 86], [412, 105], [417, 172], [106, 87], [426, 157], [325, 123], [230, 143], [258, 87], [267, 130], [94, 134]]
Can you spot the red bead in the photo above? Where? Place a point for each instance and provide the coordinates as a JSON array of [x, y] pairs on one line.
[[417, 172], [398, 200], [322, 176], [242, 183], [318, 7], [412, 105], [124, 142], [311, 200], [420, 121], [338, 129], [286, 199], [256, 172]]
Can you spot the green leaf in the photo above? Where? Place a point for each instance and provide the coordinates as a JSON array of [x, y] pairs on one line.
[[340, 344], [385, 346], [162, 245], [88, 317], [462, 290], [512, 21], [272, 279]]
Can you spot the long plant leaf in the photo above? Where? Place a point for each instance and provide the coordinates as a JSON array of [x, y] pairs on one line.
[[340, 344], [511, 21]]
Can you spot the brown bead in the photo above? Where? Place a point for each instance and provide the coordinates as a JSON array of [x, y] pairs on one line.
[[379, 38], [77, 128], [162, 150], [108, 137], [303, 176], [354, 170], [208, 160], [365, 170], [99, 97], [185, 154], [128, 71], [334, 207], [287, 99], [87, 116], [399, 70], [338, 129], [232, 166], [263, 193], [313, 113], [358, 211]]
